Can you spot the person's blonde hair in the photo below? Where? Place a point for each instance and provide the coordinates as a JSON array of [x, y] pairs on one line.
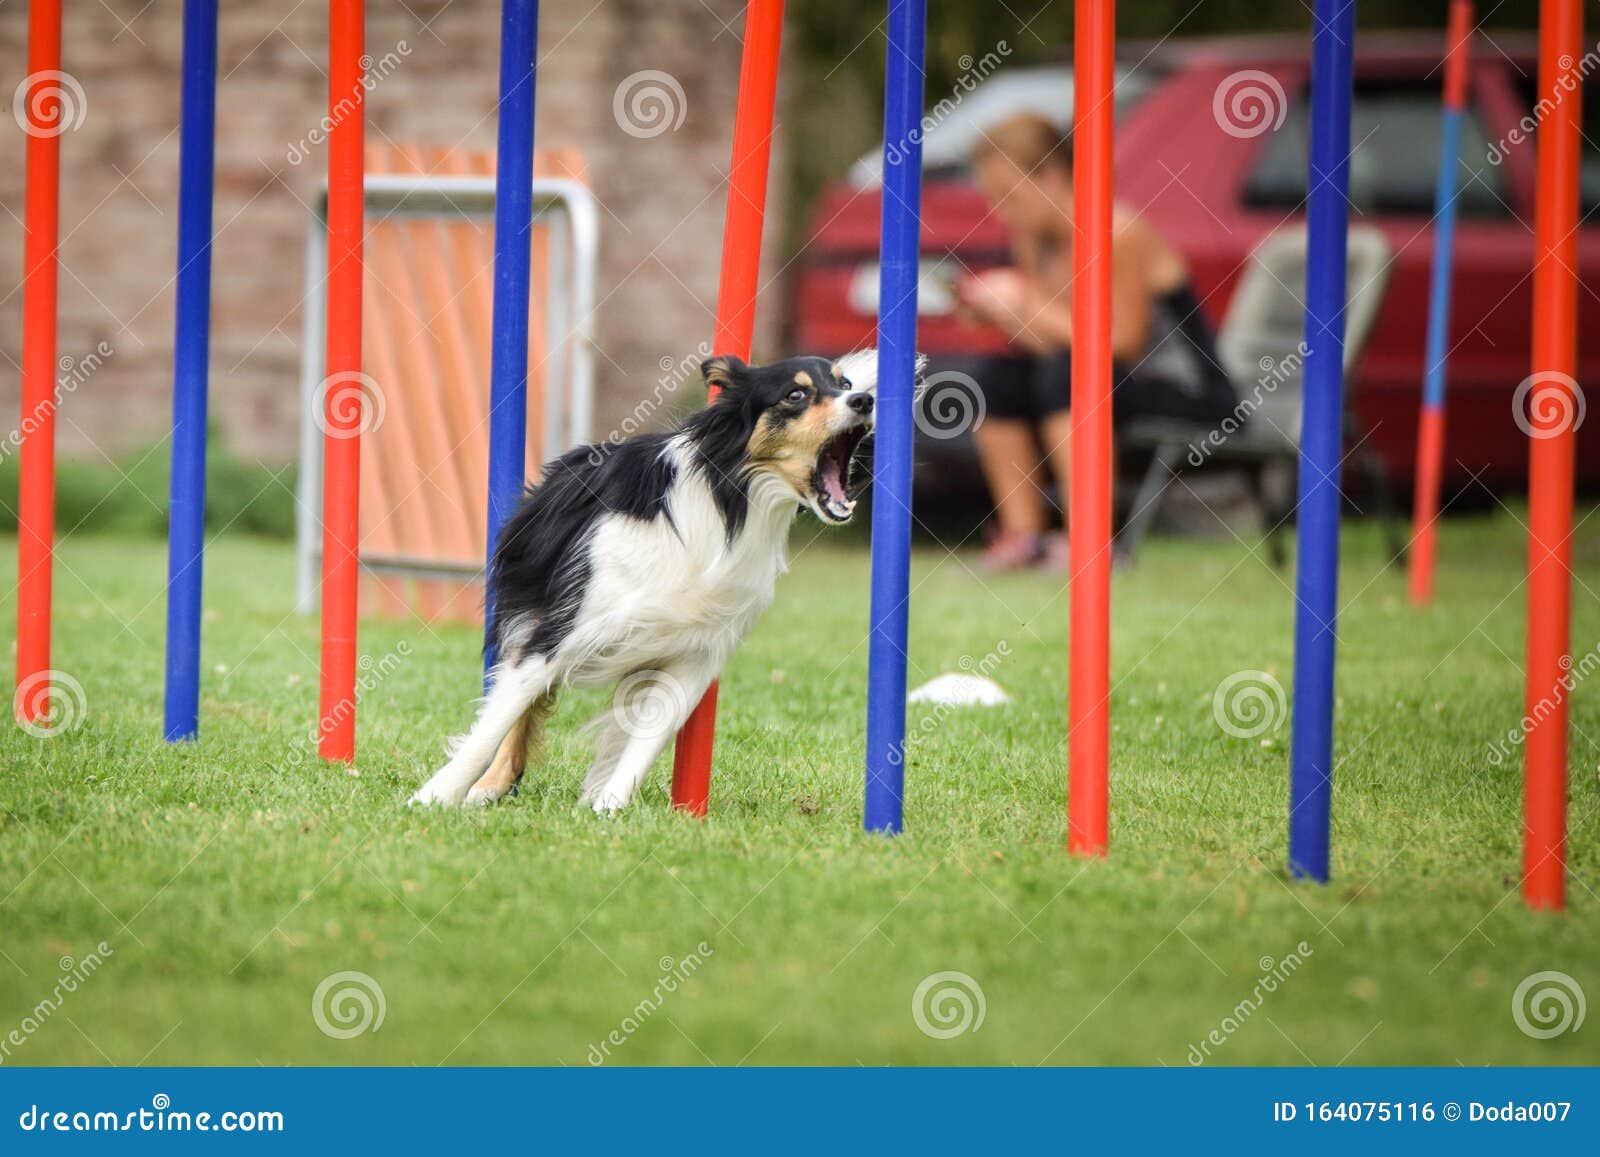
[[1029, 140]]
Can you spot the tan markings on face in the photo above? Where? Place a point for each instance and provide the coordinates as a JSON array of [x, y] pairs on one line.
[[790, 448], [837, 376], [803, 379]]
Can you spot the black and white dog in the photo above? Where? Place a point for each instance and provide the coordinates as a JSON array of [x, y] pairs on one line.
[[645, 563]]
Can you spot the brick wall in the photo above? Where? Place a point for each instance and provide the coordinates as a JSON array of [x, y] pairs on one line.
[[662, 197]]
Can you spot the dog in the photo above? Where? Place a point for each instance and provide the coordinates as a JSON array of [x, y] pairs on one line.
[[644, 563]]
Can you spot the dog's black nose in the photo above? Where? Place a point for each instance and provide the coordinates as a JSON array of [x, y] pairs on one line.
[[861, 403]]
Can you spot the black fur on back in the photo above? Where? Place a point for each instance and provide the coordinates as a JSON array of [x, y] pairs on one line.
[[541, 560]]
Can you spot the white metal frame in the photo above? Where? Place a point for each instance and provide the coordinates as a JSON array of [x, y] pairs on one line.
[[569, 208]]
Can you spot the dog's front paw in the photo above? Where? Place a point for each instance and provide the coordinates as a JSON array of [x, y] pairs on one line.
[[431, 794], [481, 796], [603, 801]]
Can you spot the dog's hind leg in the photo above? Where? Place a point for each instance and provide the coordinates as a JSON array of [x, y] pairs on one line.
[[512, 758], [646, 712], [515, 691]]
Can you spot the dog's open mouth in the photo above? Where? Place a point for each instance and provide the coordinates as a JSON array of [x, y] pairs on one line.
[[832, 474]]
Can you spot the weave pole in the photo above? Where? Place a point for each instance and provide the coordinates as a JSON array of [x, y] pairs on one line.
[[190, 358], [1321, 440], [1430, 421], [513, 255], [342, 421], [1089, 505], [1553, 407], [896, 431], [36, 497], [736, 311]]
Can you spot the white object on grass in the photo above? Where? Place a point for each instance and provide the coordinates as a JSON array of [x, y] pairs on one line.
[[955, 690]]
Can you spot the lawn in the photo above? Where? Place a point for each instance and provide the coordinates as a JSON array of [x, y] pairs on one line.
[[230, 878]]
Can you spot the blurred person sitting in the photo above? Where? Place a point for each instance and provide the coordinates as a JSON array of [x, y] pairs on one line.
[[1165, 362]]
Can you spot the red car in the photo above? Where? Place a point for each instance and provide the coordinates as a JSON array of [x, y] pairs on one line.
[[1214, 186]]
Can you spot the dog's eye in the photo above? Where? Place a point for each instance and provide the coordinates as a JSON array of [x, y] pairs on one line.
[[846, 385], [796, 395]]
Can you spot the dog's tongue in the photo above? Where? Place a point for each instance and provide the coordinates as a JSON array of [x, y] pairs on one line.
[[832, 480]]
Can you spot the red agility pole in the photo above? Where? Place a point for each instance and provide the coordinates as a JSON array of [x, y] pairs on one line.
[[1088, 717], [342, 420], [1549, 399], [736, 310], [1430, 418], [49, 114]]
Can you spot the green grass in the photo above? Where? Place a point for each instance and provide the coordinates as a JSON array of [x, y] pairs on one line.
[[230, 877]]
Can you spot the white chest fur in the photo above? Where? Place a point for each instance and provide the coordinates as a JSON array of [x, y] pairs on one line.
[[663, 590]]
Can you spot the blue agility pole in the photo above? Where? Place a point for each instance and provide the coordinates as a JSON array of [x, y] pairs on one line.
[[191, 353], [892, 455], [513, 244], [1430, 419], [1321, 440]]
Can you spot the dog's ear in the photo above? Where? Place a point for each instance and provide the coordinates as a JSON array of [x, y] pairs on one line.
[[723, 372]]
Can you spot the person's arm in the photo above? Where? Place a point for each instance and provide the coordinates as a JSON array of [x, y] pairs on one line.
[[1130, 291]]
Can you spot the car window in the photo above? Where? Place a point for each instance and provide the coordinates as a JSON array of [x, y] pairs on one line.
[[1394, 136], [1589, 147], [953, 126]]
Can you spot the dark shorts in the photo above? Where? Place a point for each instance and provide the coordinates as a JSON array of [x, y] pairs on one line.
[[1032, 389]]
